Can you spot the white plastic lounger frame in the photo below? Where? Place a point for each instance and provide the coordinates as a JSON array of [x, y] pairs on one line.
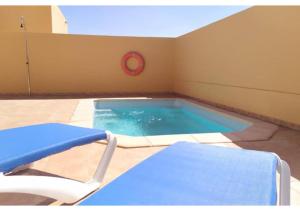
[[284, 182], [61, 189]]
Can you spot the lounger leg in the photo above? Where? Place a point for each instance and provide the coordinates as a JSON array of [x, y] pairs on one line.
[[106, 158], [285, 183]]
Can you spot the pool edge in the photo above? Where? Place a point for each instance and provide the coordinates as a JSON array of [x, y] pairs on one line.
[[257, 131]]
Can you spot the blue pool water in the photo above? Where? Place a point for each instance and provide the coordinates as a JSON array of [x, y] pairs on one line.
[[142, 118]]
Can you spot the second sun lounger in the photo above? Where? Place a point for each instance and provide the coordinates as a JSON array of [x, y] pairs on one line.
[[197, 174]]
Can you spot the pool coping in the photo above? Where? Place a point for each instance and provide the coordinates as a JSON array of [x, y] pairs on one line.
[[257, 131]]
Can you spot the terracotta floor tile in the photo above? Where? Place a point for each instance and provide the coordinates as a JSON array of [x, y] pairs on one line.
[[80, 162]]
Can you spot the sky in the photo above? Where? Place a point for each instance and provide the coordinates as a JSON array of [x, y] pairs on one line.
[[146, 21]]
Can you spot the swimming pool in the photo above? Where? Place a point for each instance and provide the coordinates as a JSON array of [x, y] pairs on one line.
[[150, 117]]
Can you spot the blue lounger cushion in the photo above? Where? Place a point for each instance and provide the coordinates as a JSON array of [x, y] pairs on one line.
[[23, 145], [195, 174]]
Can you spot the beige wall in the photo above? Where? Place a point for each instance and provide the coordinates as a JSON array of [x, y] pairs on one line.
[[40, 19], [248, 61], [13, 78], [37, 18], [59, 22], [91, 64]]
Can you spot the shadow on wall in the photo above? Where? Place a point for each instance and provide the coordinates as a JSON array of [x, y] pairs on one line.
[[247, 61], [75, 64]]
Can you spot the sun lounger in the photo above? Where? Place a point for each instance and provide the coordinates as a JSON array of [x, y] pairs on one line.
[[21, 146], [197, 174]]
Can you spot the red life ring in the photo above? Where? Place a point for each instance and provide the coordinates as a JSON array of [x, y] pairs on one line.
[[140, 67]]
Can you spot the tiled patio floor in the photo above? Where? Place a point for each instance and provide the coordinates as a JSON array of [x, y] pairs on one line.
[[285, 142]]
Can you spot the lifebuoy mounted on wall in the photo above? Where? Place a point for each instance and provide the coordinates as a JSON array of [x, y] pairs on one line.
[[140, 66]]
